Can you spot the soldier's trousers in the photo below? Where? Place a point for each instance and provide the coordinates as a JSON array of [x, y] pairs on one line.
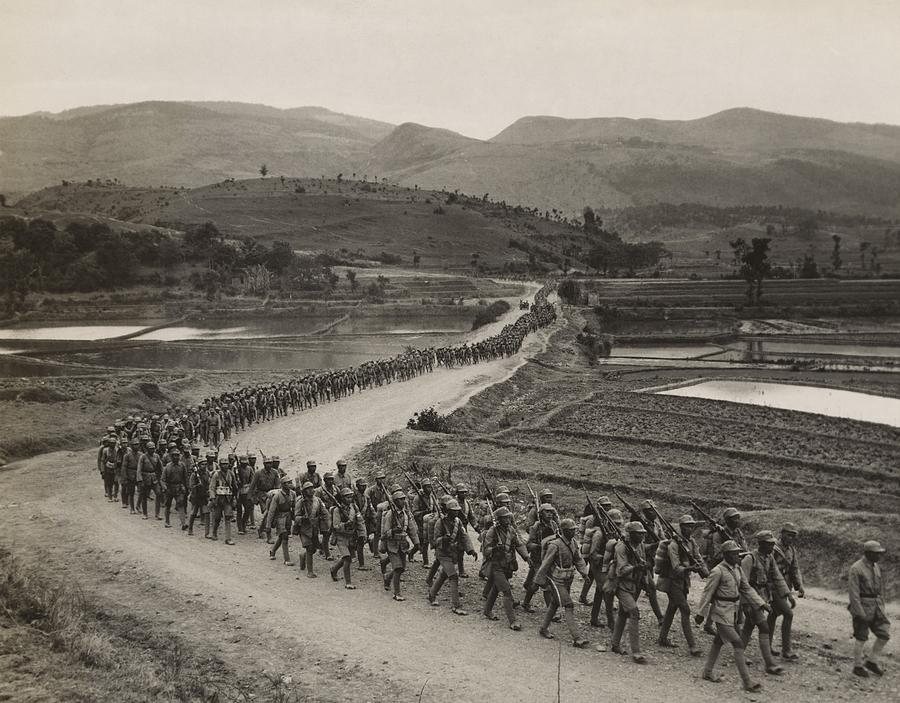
[[109, 483], [559, 593], [244, 508], [144, 497], [128, 486], [678, 604], [781, 608], [630, 614], [498, 584], [727, 633]]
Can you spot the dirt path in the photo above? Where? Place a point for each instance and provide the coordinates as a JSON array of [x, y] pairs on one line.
[[363, 642]]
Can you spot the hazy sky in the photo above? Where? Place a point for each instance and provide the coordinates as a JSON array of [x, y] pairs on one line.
[[473, 67]]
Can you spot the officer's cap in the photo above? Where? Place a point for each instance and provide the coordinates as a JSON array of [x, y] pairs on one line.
[[635, 527], [346, 491], [790, 528], [307, 484], [341, 463], [765, 536], [873, 546], [545, 493], [502, 511], [310, 464], [731, 512], [687, 520], [730, 546], [567, 524]]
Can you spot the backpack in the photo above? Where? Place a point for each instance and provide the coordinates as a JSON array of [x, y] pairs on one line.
[[662, 565], [707, 544]]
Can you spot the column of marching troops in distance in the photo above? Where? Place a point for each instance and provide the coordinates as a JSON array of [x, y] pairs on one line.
[[745, 589]]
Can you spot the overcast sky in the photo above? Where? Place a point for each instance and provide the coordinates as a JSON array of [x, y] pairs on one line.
[[473, 67]]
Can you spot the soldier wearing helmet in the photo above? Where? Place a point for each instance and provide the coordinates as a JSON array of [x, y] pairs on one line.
[[198, 490], [628, 573], [557, 570], [128, 474], [343, 478], [348, 527], [327, 493], [265, 480], [149, 473], [587, 526], [602, 551], [500, 545], [451, 541], [174, 485], [789, 565], [309, 513], [281, 506], [681, 558], [546, 527], [424, 504], [766, 579], [367, 510], [732, 531], [725, 588], [865, 584], [398, 533], [222, 488], [545, 497], [467, 517], [244, 503]]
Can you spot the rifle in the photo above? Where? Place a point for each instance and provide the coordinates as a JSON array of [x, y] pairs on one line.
[[614, 528], [336, 502], [716, 526], [490, 499], [635, 515], [537, 505], [679, 539], [262, 455], [415, 487]]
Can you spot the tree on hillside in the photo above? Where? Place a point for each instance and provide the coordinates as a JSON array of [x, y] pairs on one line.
[[351, 276], [836, 252], [809, 268], [754, 265], [280, 257], [416, 259], [863, 246], [263, 170], [591, 223]]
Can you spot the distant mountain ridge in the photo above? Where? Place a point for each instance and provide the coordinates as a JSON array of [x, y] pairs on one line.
[[740, 156]]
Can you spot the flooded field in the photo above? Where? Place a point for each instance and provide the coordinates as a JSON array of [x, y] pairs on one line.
[[822, 401]]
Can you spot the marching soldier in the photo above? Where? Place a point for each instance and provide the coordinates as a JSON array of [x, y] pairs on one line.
[[588, 527], [557, 571], [544, 529], [264, 480], [348, 528], [545, 497], [789, 565], [174, 485], [451, 541], [681, 559], [732, 532], [149, 473], [764, 577], [501, 544], [129, 474], [309, 513], [364, 506], [279, 516], [221, 496], [311, 476], [866, 587], [398, 529], [628, 572], [725, 588], [601, 554], [467, 517], [343, 479], [328, 495], [423, 505], [199, 492], [243, 477]]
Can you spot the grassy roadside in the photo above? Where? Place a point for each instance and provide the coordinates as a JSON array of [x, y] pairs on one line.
[[57, 644]]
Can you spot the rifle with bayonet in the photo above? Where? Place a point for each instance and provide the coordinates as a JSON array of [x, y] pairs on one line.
[[635, 515], [716, 526], [492, 504], [680, 540]]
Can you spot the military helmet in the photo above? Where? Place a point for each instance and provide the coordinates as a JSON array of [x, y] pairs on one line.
[[341, 464], [346, 491], [210, 454], [501, 498], [635, 527], [223, 461], [135, 441], [731, 512], [307, 484], [502, 511], [361, 482], [730, 546], [151, 445], [452, 504], [380, 476], [647, 505], [686, 520], [276, 458], [545, 493], [398, 495], [502, 489], [765, 536], [328, 475], [873, 546], [425, 482], [394, 488], [567, 524], [546, 507], [462, 488], [310, 464], [243, 458], [790, 528], [287, 481], [605, 502]]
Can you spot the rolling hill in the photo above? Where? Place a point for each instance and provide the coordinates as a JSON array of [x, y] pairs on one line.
[[736, 157]]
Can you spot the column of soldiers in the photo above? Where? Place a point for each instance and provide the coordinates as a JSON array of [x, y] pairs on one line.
[[748, 587]]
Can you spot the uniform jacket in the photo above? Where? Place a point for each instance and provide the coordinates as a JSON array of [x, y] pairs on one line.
[[129, 464], [263, 481], [455, 530], [725, 588], [500, 546], [347, 524], [342, 480], [279, 503], [309, 514], [789, 564], [539, 532], [175, 477], [866, 589], [561, 559], [149, 469], [679, 564], [764, 576], [222, 479], [718, 539], [628, 567], [403, 522]]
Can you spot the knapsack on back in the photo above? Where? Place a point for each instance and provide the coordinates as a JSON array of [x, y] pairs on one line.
[[708, 547], [661, 563]]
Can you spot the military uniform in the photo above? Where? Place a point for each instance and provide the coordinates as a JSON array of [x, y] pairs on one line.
[[500, 545], [562, 558], [347, 528], [174, 482], [149, 474], [765, 578], [279, 516], [309, 511], [451, 541], [398, 533], [627, 576], [221, 495]]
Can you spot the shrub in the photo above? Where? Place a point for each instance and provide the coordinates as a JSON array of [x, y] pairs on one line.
[[490, 313], [429, 420]]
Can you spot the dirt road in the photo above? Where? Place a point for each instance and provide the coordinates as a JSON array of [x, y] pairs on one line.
[[360, 645]]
